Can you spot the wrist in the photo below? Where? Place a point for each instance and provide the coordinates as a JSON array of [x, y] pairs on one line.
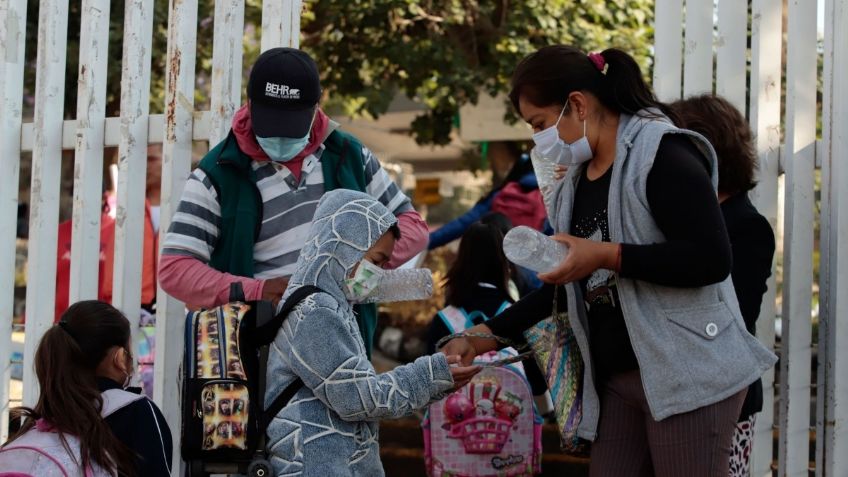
[[612, 256], [482, 345]]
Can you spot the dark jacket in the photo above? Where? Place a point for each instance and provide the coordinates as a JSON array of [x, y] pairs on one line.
[[142, 427], [752, 242]]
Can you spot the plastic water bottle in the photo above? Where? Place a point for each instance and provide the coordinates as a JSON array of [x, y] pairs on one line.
[[544, 169], [532, 249], [402, 285]]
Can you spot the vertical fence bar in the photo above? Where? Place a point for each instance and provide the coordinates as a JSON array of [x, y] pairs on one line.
[[698, 48], [798, 240], [272, 24], [832, 423], [281, 23], [132, 163], [731, 51], [88, 165], [12, 41], [668, 49], [46, 170], [764, 117], [226, 66], [176, 165]]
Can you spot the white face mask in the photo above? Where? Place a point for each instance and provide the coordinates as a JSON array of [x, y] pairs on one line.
[[364, 281], [550, 146]]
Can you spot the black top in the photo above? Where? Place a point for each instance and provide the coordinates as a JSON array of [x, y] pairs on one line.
[[142, 427], [696, 251], [609, 342], [752, 240]]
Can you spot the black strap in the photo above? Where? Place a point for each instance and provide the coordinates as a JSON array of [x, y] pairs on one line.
[[279, 403], [265, 333], [236, 292]]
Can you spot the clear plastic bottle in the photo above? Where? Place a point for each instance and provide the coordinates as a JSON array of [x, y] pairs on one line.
[[544, 169], [532, 249], [402, 285]]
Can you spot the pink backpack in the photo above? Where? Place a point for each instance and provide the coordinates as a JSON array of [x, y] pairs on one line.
[[489, 427], [520, 206], [40, 453]]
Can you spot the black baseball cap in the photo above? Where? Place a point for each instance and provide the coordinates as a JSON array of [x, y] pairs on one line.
[[284, 90]]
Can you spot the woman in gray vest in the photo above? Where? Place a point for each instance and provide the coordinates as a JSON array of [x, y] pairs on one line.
[[646, 281]]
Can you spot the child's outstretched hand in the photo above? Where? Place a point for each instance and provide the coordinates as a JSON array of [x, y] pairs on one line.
[[461, 374]]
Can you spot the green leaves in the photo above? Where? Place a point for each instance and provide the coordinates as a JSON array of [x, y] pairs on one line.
[[443, 53]]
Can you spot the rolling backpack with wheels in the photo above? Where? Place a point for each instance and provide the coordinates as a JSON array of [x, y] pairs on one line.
[[224, 413], [490, 426]]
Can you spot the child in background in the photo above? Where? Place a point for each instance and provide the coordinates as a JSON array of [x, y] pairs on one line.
[[751, 236], [82, 364]]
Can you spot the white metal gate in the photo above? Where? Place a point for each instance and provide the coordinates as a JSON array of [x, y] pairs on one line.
[[686, 41]]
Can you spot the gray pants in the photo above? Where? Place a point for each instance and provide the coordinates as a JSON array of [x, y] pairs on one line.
[[631, 443]]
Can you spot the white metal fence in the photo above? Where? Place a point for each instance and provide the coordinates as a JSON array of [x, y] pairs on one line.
[[686, 47], [694, 50]]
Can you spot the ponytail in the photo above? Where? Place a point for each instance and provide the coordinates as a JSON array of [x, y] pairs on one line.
[[549, 75], [70, 400]]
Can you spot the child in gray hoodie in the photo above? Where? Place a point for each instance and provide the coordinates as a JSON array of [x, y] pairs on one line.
[[330, 426]]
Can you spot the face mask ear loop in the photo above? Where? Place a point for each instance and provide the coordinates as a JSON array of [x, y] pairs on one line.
[[584, 129], [564, 107]]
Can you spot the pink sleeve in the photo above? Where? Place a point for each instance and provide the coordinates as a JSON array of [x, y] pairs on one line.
[[196, 284], [414, 235]]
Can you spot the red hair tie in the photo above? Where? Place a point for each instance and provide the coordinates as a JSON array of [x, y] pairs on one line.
[[599, 62]]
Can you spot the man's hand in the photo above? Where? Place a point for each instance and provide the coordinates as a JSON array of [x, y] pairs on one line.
[[273, 289]]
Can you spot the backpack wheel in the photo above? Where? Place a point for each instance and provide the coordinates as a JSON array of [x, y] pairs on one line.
[[260, 468]]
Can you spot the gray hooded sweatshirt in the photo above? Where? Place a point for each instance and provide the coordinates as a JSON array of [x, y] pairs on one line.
[[691, 343], [330, 426]]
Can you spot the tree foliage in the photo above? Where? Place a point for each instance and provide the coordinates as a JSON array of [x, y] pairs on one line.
[[444, 53], [441, 53]]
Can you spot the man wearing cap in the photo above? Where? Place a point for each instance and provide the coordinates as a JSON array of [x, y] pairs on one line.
[[246, 210]]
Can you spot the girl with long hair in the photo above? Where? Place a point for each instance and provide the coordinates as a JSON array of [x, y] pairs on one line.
[[83, 364], [646, 282]]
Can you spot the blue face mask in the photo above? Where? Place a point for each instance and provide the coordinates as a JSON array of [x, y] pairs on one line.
[[283, 149]]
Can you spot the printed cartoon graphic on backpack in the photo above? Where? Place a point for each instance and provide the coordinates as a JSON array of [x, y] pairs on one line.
[[219, 391], [489, 427]]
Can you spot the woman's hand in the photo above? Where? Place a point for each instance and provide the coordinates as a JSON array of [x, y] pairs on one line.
[[461, 374], [584, 257], [559, 171], [462, 348], [468, 348]]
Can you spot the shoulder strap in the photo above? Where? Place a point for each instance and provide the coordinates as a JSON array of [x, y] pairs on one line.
[[117, 399], [454, 318], [269, 332], [264, 334]]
